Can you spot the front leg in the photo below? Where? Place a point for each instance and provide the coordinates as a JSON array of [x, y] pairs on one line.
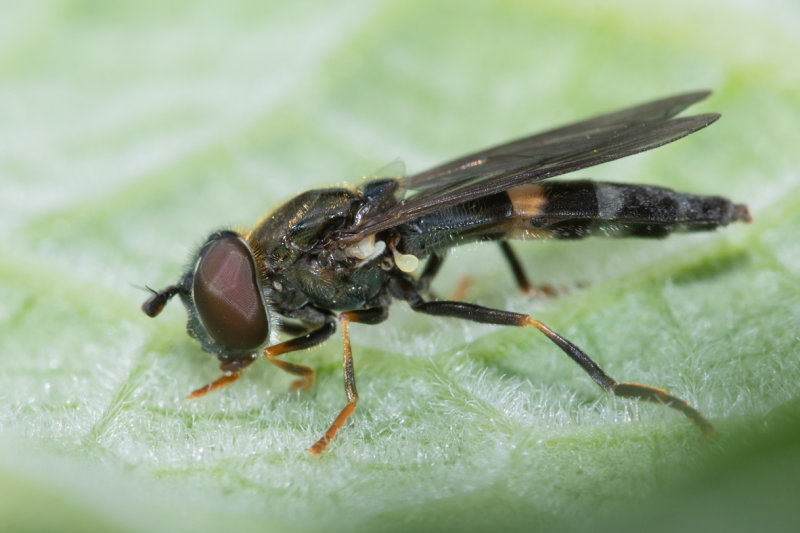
[[314, 337], [232, 370], [374, 315]]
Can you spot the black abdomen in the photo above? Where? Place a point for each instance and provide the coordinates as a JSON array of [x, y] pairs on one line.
[[569, 210], [577, 209]]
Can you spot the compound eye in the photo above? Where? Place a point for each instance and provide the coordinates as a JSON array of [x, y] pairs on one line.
[[227, 296]]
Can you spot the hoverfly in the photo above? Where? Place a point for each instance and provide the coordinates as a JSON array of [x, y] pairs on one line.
[[352, 251]]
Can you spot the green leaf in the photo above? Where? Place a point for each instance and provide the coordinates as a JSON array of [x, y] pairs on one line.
[[131, 130]]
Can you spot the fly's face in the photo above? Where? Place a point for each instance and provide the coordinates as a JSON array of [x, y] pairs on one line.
[[227, 296], [223, 297]]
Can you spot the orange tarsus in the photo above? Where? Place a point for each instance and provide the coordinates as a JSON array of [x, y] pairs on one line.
[[318, 447], [222, 381]]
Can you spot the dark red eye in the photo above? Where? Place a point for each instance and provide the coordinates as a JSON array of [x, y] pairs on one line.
[[227, 297]]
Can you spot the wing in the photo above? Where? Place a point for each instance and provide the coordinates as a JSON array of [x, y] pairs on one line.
[[541, 156]]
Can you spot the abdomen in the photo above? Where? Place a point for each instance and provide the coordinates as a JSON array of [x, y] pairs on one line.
[[571, 210]]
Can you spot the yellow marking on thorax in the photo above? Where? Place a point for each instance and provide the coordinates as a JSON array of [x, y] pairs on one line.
[[366, 250], [527, 200]]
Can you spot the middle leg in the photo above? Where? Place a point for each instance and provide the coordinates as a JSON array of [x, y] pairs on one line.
[[374, 315]]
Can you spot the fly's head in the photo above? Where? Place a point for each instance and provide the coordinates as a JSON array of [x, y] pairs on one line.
[[222, 293]]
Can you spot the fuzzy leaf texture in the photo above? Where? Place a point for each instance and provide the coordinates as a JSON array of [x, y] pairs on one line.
[[130, 130]]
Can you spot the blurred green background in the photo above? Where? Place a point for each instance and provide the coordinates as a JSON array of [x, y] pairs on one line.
[[132, 129]]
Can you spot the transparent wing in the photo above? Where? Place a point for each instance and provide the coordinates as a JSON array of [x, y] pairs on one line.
[[541, 156], [394, 169]]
